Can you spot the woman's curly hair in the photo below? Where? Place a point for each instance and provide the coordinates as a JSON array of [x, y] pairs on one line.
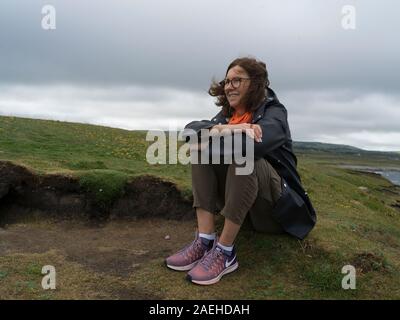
[[259, 82]]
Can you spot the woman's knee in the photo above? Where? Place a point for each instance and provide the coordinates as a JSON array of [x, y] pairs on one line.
[[241, 171]]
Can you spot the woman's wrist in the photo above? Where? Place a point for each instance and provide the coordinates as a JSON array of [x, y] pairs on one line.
[[219, 127]]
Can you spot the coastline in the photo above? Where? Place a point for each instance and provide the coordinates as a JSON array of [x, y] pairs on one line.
[[391, 174]]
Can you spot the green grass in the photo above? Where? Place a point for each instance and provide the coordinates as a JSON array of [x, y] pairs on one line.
[[105, 185], [83, 151], [356, 224], [3, 274]]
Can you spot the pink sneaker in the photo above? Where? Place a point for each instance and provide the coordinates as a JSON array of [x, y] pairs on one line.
[[186, 258], [216, 263]]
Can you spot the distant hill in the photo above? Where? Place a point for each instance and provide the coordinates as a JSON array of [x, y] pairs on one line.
[[26, 133], [307, 147]]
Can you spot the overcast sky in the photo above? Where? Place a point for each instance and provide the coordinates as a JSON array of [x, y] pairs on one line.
[[148, 64]]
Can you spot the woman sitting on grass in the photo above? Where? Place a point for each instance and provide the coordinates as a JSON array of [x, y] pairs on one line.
[[272, 194]]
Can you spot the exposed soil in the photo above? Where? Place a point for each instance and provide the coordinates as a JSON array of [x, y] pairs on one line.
[[366, 173], [367, 262], [117, 249], [52, 216], [396, 205], [391, 190], [23, 192]]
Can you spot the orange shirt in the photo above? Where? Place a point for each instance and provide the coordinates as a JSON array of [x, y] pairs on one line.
[[244, 118]]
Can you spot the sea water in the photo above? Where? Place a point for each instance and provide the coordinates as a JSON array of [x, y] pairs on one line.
[[392, 176]]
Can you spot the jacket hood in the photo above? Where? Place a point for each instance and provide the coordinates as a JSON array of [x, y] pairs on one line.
[[270, 100], [271, 97]]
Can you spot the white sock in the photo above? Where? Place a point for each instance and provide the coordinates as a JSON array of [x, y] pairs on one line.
[[207, 236], [229, 249]]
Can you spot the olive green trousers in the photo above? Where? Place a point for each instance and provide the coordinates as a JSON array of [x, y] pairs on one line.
[[218, 189]]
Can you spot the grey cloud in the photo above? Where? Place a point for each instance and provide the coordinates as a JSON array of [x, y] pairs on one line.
[[371, 111], [366, 120], [148, 64], [182, 45], [131, 110]]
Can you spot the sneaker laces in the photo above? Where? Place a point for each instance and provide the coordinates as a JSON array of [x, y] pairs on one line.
[[196, 243], [211, 257]]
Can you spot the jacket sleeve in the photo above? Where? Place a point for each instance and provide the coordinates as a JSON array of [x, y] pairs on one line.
[[273, 131], [273, 135], [196, 126]]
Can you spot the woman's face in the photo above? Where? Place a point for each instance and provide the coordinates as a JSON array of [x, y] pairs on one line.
[[236, 94]]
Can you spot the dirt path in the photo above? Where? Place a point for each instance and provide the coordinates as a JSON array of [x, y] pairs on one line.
[[114, 252]]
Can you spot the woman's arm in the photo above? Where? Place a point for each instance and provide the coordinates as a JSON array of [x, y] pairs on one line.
[[254, 131], [273, 132]]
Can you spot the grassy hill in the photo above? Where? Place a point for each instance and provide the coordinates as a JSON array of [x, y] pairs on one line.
[[340, 149], [326, 147], [357, 222]]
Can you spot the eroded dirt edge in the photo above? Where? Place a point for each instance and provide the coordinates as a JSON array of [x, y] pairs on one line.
[[23, 192]]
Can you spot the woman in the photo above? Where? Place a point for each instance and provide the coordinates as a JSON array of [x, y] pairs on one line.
[[272, 195]]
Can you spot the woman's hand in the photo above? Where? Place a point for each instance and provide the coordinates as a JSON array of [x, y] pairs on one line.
[[254, 131], [257, 132]]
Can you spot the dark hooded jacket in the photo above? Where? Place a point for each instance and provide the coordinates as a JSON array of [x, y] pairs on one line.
[[293, 209]]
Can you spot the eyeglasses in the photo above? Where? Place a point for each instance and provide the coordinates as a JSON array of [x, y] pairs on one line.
[[235, 82]]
